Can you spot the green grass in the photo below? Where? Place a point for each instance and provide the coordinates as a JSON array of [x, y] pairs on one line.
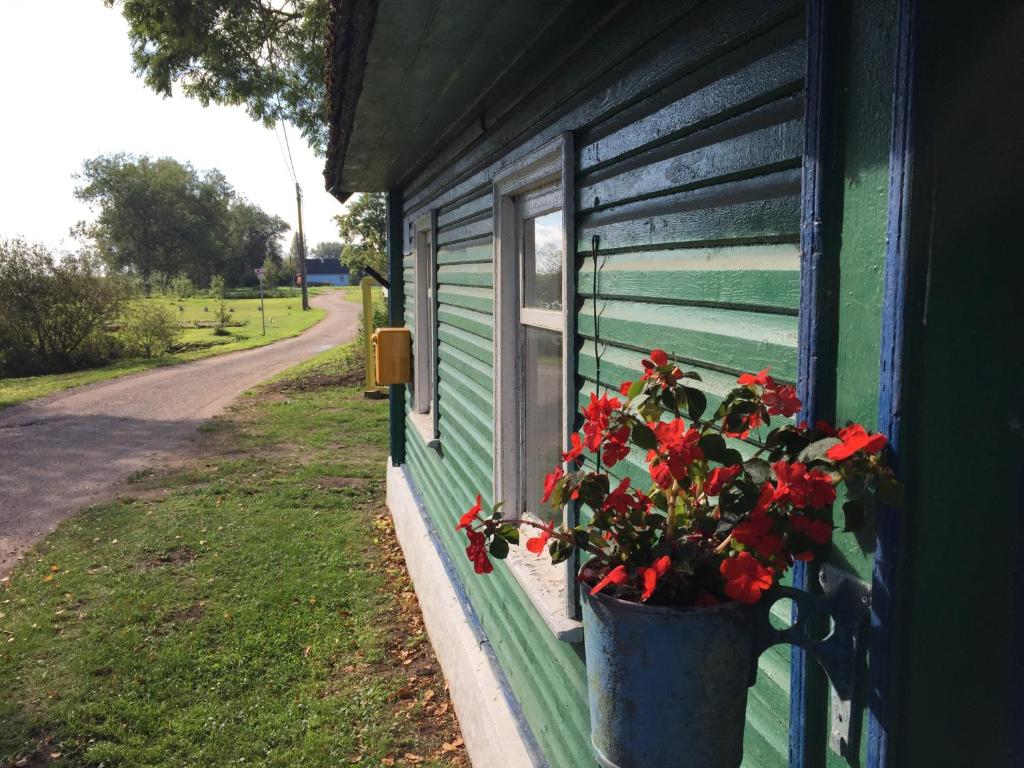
[[250, 608], [355, 293], [285, 318]]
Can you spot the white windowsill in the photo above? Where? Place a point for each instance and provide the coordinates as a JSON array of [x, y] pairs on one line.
[[546, 585], [424, 425]]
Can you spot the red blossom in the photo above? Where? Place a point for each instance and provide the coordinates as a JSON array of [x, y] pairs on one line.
[[477, 552], [624, 388], [619, 499], [653, 370], [801, 488], [745, 578], [597, 415], [755, 533], [577, 448], [677, 449], [751, 421], [467, 519], [550, 481], [617, 576], [720, 477], [819, 531], [616, 446], [761, 379], [855, 438], [659, 358], [538, 542], [781, 400], [649, 576]]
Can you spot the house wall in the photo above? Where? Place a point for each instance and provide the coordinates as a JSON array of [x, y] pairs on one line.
[[688, 129]]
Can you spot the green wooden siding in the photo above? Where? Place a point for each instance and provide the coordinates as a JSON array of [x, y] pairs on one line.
[[692, 188]]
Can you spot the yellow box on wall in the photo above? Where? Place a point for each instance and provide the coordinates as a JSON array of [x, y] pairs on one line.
[[392, 355]]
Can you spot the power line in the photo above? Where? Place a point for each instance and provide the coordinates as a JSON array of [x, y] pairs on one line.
[[284, 130], [284, 159]]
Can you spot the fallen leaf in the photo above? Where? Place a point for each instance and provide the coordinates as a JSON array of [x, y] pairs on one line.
[[54, 567], [413, 758]]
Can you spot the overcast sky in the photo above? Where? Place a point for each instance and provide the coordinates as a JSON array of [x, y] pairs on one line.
[[67, 93]]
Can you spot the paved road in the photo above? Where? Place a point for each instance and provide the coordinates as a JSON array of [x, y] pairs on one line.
[[60, 453]]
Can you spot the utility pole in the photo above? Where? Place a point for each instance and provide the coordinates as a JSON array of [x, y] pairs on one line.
[[302, 248]]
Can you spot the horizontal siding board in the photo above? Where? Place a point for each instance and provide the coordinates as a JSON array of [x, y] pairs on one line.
[[765, 276], [468, 320], [761, 210], [452, 358], [473, 229], [467, 209], [480, 275], [476, 251], [702, 102], [473, 345], [704, 158], [477, 299], [739, 340]]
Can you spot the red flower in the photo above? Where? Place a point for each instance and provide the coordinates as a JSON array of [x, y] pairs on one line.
[[467, 519], [745, 578], [596, 416], [616, 446], [624, 388], [659, 358], [720, 477], [855, 438], [755, 533], [577, 448], [617, 575], [751, 421], [619, 500], [477, 552], [802, 488], [649, 576], [652, 369], [550, 481], [781, 400], [537, 543], [819, 531], [761, 378]]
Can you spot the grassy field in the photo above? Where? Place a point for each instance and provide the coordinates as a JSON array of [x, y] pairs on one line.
[[285, 318], [250, 608], [355, 293]]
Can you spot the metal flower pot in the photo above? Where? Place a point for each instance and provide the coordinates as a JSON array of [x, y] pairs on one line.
[[668, 688]]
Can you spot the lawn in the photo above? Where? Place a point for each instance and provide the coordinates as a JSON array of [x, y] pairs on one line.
[[355, 293], [250, 608], [284, 318]]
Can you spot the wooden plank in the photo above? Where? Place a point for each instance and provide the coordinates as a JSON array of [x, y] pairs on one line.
[[474, 229], [480, 275], [724, 152], [473, 345], [737, 340], [480, 373], [467, 252], [478, 299], [476, 205], [467, 320], [729, 93]]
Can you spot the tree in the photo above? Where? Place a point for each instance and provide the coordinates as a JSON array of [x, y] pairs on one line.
[[150, 328], [163, 217], [363, 231], [326, 250], [266, 56], [52, 309]]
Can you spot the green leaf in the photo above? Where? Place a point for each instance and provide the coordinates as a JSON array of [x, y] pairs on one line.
[[499, 548], [696, 402], [692, 375], [732, 457], [759, 470], [499, 505], [560, 551], [636, 388], [712, 445], [644, 437], [509, 533], [853, 512], [816, 451]]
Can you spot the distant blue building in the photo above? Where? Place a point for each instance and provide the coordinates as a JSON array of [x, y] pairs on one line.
[[326, 272]]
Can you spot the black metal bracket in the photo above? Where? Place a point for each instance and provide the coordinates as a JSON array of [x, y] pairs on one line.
[[846, 603], [377, 276]]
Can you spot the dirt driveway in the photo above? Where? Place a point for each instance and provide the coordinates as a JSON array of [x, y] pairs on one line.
[[60, 453]]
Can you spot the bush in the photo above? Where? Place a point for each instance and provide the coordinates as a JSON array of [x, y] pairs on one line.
[[182, 287], [149, 329], [53, 312]]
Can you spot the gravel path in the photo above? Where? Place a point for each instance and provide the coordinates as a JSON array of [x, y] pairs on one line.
[[63, 452]]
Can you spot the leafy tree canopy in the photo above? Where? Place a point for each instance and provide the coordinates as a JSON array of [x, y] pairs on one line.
[[163, 216], [266, 56], [326, 250], [363, 231]]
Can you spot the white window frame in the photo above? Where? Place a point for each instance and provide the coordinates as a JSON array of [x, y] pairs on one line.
[[422, 415], [551, 589]]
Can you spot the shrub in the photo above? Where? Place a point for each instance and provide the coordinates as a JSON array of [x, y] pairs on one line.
[[182, 287], [149, 328], [53, 312]]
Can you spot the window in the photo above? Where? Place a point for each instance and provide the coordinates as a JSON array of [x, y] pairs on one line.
[[423, 416], [535, 391]]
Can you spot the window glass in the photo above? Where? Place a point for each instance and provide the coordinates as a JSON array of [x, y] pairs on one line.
[[542, 261], [542, 415]]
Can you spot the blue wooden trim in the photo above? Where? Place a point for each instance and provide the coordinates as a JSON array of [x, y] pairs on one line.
[[882, 649], [396, 319], [473, 622], [814, 336]]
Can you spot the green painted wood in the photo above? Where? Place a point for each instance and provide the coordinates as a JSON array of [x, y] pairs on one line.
[[707, 157], [734, 85], [474, 229], [650, 275], [477, 299], [469, 367], [480, 274], [473, 345], [464, 254], [466, 320], [769, 214], [476, 203], [738, 340]]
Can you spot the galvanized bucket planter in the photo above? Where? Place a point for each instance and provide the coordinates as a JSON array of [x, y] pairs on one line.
[[668, 688]]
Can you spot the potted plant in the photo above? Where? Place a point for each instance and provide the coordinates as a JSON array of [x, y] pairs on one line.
[[672, 573]]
